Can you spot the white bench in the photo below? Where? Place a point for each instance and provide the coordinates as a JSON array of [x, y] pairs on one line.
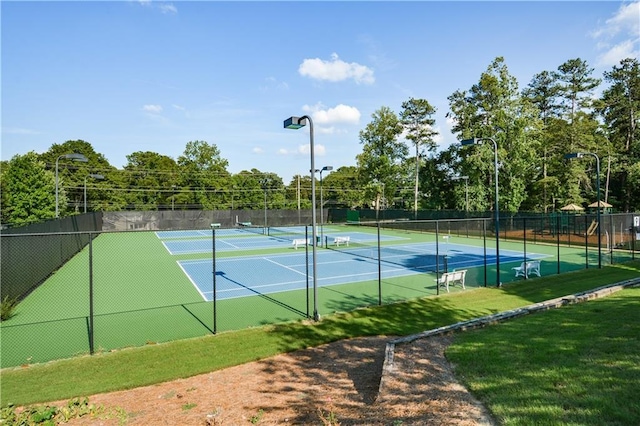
[[338, 240], [452, 278], [299, 242], [528, 268]]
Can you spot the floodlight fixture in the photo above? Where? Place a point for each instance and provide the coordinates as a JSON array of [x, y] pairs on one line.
[[472, 141], [574, 155], [296, 123]]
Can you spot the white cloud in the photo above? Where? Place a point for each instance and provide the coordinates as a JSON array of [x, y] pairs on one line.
[[619, 36], [168, 8], [179, 107], [257, 150], [19, 131], [326, 117], [318, 149], [271, 83], [154, 109], [336, 69], [625, 20], [304, 150], [616, 53], [339, 114]]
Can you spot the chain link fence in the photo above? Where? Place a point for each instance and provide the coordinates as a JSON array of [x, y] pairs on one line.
[[85, 292]]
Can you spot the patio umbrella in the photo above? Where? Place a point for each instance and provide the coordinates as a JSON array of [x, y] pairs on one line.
[[602, 205], [572, 208]]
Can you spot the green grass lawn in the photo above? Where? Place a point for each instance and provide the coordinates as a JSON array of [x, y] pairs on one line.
[[579, 365], [154, 363]]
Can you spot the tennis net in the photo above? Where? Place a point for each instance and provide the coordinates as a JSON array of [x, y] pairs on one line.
[[288, 233], [410, 256], [254, 229]]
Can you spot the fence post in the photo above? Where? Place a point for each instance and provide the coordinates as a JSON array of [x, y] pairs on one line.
[[586, 241], [524, 244], [484, 240], [91, 342], [306, 263], [379, 270], [213, 261], [558, 240], [437, 258]]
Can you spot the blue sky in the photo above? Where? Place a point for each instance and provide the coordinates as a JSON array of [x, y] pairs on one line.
[[131, 76]]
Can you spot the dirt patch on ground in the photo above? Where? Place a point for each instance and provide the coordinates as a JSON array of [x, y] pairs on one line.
[[333, 384]]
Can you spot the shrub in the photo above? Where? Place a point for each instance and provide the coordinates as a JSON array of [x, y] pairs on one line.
[[7, 308]]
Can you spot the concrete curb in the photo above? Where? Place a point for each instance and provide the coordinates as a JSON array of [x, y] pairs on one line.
[[599, 292]]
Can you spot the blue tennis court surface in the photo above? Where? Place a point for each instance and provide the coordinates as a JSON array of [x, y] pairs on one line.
[[186, 242], [258, 275]]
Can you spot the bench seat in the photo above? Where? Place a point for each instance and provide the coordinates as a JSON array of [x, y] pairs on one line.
[[531, 267], [338, 240], [299, 242], [452, 278]]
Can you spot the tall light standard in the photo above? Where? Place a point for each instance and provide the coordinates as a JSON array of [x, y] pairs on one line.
[[73, 157], [466, 189], [94, 176], [297, 123], [264, 183], [580, 155], [324, 169], [478, 141]]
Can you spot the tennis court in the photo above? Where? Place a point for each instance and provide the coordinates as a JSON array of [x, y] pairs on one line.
[[251, 275]]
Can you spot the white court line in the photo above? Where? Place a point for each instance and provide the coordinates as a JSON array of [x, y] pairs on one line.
[[193, 282], [166, 248], [284, 266], [229, 244]]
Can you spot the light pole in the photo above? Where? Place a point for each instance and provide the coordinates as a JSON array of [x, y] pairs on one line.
[[94, 176], [324, 169], [264, 183], [297, 123], [466, 189], [73, 157], [580, 155], [478, 141], [173, 197]]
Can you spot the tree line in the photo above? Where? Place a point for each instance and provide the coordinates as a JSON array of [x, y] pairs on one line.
[[399, 166]]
